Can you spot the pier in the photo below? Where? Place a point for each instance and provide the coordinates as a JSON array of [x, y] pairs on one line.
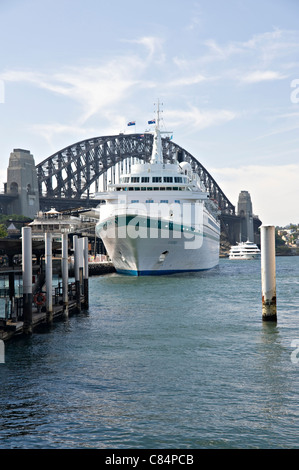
[[29, 298]]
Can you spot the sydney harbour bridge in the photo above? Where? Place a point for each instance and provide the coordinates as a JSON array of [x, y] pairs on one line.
[[69, 179], [67, 175]]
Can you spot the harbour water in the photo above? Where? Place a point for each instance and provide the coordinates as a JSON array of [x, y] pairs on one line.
[[170, 362]]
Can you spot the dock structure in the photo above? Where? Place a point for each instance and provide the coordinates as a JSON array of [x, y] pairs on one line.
[[45, 303], [15, 326]]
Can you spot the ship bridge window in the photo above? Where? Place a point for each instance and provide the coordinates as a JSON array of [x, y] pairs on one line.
[[134, 179], [178, 179], [167, 179], [177, 201], [157, 179], [149, 200], [164, 200], [125, 179], [144, 179], [134, 201]]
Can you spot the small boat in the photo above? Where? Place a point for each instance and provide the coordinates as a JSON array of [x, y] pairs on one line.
[[245, 250], [159, 219]]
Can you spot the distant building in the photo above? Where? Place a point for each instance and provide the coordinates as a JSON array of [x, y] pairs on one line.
[[55, 223], [246, 215], [22, 181], [13, 232]]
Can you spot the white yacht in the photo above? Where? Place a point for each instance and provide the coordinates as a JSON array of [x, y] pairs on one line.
[[245, 250], [159, 219]]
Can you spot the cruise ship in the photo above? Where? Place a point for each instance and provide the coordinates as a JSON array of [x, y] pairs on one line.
[[245, 250], [159, 218]]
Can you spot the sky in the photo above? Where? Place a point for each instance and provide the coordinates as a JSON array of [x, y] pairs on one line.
[[227, 73]]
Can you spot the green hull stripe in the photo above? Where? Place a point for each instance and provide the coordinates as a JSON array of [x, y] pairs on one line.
[[124, 220]]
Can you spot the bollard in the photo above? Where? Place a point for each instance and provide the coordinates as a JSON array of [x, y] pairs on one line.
[[65, 272], [268, 273], [27, 279], [85, 271], [2, 352], [49, 276]]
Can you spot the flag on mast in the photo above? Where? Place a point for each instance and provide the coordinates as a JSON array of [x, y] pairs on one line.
[[131, 123], [152, 121]]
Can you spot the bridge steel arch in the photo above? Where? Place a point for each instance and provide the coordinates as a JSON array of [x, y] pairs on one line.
[[69, 173]]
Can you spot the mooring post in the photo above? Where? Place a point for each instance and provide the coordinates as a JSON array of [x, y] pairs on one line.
[[65, 272], [85, 271], [49, 276], [268, 273], [76, 245], [27, 279], [11, 280]]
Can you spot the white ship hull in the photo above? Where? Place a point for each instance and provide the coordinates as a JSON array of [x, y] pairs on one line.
[[158, 218], [171, 250], [245, 256]]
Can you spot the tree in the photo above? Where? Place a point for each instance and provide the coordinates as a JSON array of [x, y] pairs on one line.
[[278, 240], [3, 231]]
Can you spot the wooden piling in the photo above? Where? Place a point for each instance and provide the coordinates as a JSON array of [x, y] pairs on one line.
[[49, 276], [65, 272], [27, 279], [2, 352], [85, 272], [269, 311], [76, 246]]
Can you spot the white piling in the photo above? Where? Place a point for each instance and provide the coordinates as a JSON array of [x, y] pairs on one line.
[[49, 275], [85, 271], [269, 312], [76, 246], [27, 278], [65, 272]]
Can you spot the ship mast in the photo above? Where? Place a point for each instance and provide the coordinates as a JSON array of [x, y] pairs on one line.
[[157, 153]]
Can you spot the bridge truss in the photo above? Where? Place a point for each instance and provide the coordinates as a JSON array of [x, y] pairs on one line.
[[69, 173]]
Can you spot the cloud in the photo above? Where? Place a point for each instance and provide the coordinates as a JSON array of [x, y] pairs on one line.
[[263, 57], [186, 81], [261, 76], [95, 88], [154, 46], [199, 119], [48, 131]]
